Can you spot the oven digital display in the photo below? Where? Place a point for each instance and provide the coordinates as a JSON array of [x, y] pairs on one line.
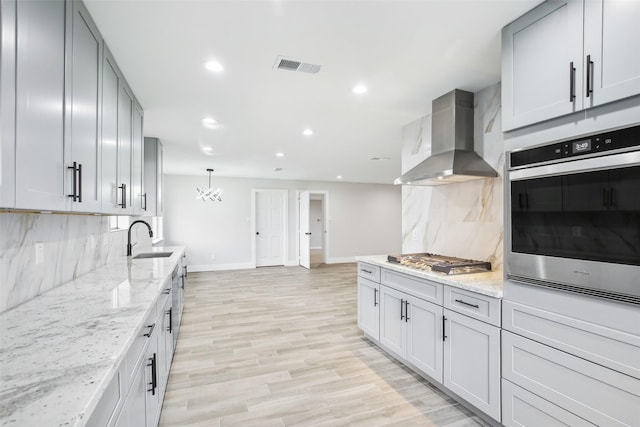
[[583, 146]]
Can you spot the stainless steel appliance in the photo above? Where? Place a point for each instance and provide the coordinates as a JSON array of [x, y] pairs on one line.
[[452, 158], [440, 263], [573, 215]]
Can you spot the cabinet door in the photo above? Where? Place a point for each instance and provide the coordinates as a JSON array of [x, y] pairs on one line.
[[472, 361], [424, 336], [150, 367], [392, 324], [151, 147], [166, 346], [125, 135], [83, 112], [39, 120], [109, 148], [540, 51], [134, 411], [139, 198], [159, 193], [610, 28], [369, 307], [7, 103]]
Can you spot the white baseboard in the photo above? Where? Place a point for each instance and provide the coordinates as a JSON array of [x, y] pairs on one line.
[[316, 247], [220, 267], [341, 260], [291, 263]]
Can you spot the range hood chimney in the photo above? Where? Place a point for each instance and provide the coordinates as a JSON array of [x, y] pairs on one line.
[[452, 156]]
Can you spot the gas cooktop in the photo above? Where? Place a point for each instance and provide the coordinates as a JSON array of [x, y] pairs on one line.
[[440, 263]]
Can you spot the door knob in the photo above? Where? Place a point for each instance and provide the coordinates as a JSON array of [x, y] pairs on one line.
[[257, 232]]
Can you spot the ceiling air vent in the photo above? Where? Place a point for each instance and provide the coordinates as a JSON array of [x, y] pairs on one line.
[[292, 64]]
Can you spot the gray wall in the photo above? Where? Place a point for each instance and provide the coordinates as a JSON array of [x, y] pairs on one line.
[[364, 219]]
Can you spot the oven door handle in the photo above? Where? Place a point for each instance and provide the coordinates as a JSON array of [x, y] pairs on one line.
[[583, 165]]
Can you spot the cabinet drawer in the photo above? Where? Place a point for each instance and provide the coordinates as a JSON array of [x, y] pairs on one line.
[[521, 408], [602, 332], [369, 271], [421, 288], [600, 395], [474, 305], [105, 412]]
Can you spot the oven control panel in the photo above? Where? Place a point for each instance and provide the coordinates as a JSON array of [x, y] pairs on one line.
[[615, 140]]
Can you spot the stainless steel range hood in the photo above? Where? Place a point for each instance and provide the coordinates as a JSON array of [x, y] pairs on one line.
[[452, 156]]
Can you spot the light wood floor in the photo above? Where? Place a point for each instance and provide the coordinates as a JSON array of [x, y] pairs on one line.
[[279, 346]]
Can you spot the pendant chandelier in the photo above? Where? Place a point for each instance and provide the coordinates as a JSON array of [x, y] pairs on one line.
[[209, 193]]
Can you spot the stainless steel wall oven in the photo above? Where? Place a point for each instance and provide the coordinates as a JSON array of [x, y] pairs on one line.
[[573, 215]]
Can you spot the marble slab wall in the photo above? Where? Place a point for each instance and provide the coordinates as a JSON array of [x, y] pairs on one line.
[[72, 246], [462, 219]]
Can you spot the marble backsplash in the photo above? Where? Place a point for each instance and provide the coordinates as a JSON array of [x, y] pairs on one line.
[[463, 219], [72, 246]]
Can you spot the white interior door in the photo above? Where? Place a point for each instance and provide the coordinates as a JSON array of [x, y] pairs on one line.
[[270, 232], [304, 231]]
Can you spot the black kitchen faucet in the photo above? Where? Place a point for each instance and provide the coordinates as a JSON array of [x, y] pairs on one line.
[[129, 247]]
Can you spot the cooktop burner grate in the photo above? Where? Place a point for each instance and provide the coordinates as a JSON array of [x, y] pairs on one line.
[[440, 263]]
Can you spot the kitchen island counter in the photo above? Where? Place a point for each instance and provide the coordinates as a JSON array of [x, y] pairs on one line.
[[489, 283], [59, 351]]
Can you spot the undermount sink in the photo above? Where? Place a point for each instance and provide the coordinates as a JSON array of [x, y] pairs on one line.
[[153, 255]]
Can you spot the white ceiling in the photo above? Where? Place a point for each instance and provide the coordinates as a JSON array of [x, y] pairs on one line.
[[406, 52]]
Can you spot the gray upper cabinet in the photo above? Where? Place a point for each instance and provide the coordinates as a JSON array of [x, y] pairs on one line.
[[109, 134], [566, 56], [39, 109], [7, 102], [542, 63], [125, 136], [611, 35], [153, 176], [137, 162], [82, 148]]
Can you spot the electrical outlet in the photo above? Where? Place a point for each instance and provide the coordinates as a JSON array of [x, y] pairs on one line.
[[39, 253], [414, 235], [92, 241]]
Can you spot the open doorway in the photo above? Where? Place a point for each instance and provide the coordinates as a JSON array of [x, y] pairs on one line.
[[313, 233]]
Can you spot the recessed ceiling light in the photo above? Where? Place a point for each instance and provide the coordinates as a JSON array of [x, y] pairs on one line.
[[209, 122], [279, 154], [307, 132], [214, 66], [359, 89], [209, 151], [339, 177], [380, 158]]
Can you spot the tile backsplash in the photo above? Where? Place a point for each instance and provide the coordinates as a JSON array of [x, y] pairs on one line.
[[72, 245], [463, 219]]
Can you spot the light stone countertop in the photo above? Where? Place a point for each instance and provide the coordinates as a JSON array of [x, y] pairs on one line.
[[489, 283], [59, 351]]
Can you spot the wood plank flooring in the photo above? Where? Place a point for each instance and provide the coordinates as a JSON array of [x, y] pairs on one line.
[[279, 346]]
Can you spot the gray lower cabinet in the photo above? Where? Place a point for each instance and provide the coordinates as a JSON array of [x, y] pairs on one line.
[[410, 328], [451, 335], [472, 361], [369, 307]]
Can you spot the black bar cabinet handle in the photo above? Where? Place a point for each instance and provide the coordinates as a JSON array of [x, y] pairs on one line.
[[406, 311], [80, 183], [124, 196], [150, 331], [170, 328], [401, 313], [366, 271], [612, 198], [144, 196], [154, 379], [375, 297], [184, 268], [572, 82], [444, 333], [75, 182], [467, 303], [589, 76]]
